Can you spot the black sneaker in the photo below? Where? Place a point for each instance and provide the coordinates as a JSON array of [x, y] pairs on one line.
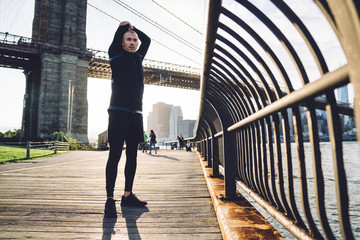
[[110, 208], [132, 200]]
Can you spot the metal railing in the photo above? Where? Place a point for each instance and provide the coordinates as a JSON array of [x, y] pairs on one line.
[[253, 127]]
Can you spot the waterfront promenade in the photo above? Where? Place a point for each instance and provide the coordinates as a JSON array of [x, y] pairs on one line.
[[63, 197]]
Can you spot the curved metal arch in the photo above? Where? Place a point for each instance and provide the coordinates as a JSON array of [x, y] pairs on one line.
[[280, 36], [272, 164], [272, 171], [253, 84], [253, 185], [324, 7], [263, 44], [247, 148], [255, 54], [246, 89], [231, 92], [262, 191], [207, 135], [346, 19], [267, 122], [312, 119], [266, 88], [240, 91], [304, 32], [209, 141], [264, 150], [331, 109], [211, 115], [200, 131], [224, 104], [268, 195], [237, 101], [219, 105]]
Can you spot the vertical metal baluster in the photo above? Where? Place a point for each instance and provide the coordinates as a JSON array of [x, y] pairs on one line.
[[259, 168], [280, 174], [302, 172], [342, 196], [317, 169], [255, 159], [265, 173], [289, 169]]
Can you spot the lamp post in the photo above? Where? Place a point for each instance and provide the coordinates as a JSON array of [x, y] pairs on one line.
[[70, 107]]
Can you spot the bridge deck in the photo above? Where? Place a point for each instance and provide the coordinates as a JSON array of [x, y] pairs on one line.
[[63, 197]]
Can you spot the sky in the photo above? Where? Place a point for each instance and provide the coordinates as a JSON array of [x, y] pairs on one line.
[[180, 43], [18, 18]]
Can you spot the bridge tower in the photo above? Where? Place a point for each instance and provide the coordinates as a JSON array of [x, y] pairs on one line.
[[61, 25]]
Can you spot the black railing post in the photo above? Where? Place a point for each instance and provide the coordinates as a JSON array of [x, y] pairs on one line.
[[205, 150], [209, 152], [229, 165], [215, 157]]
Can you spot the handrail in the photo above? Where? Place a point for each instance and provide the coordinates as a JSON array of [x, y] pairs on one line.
[[253, 127], [331, 80]]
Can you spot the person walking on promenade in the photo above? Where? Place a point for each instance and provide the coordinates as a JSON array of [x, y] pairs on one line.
[[125, 116], [144, 143], [152, 137]]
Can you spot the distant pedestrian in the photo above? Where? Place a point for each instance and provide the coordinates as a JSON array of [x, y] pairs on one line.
[[178, 142], [181, 142], [144, 143], [152, 137], [125, 116], [188, 147]]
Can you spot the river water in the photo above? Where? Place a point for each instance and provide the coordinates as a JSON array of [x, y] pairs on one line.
[[351, 155]]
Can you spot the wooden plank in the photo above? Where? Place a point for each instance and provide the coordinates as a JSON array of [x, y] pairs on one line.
[[64, 196]]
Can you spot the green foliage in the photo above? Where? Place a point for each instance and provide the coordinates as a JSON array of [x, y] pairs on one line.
[[11, 134], [73, 143], [76, 145], [59, 136]]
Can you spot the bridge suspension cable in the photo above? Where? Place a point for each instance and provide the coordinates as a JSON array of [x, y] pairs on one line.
[[158, 42], [178, 18], [155, 24]]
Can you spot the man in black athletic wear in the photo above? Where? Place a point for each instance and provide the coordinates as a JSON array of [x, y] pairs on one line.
[[125, 116]]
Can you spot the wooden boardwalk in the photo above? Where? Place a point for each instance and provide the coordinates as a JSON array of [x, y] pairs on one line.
[[63, 197]]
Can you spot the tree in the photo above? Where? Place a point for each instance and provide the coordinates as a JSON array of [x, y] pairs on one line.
[[11, 134]]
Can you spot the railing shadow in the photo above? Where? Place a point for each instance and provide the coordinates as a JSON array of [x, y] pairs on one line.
[[164, 156]]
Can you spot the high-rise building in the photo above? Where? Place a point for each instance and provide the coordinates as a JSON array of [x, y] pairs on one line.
[[175, 117], [158, 119], [186, 128]]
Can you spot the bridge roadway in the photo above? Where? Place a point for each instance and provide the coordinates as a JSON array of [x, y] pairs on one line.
[[20, 52], [63, 197]]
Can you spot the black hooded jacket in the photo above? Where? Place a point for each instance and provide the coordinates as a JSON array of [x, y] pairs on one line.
[[127, 72]]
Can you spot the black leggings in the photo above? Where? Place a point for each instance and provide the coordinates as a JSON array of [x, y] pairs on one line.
[[112, 166]]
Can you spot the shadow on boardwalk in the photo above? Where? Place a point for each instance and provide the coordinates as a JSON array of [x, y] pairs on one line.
[[63, 197]]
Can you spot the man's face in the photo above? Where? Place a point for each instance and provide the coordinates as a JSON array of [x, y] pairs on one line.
[[130, 42]]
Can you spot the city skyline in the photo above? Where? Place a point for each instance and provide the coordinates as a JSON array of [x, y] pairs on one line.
[[168, 123]]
